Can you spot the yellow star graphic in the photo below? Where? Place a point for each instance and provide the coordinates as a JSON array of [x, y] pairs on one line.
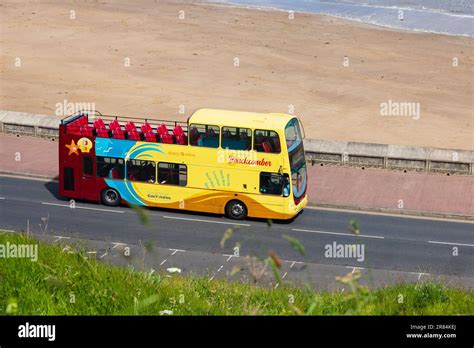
[[72, 148]]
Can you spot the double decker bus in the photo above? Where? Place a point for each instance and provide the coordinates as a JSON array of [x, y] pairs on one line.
[[225, 162]]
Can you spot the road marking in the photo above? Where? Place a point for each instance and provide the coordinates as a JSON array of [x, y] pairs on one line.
[[88, 208], [176, 250], [284, 275], [404, 216], [9, 231], [210, 279], [354, 268], [59, 238], [162, 262], [448, 243], [230, 256], [117, 244], [338, 233], [105, 254], [220, 268], [209, 221], [2, 198]]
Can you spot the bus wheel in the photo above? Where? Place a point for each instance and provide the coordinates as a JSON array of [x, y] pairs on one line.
[[236, 210], [110, 197]]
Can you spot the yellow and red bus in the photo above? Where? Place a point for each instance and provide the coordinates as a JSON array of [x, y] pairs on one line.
[[225, 162]]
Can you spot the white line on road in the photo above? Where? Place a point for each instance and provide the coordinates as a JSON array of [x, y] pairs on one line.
[[117, 244], [59, 238], [354, 268], [88, 208], [162, 262], [220, 268], [2, 198], [209, 221], [448, 243], [9, 231], [338, 233], [176, 250]]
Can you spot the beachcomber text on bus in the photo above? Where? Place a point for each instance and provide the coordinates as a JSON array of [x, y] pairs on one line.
[[226, 162]]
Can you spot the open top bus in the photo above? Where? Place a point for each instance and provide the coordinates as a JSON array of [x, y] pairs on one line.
[[225, 162]]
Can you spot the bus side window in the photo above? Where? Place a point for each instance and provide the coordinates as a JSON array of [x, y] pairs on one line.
[[87, 165], [266, 141], [204, 135], [236, 138], [111, 168], [172, 174], [139, 170], [271, 183]]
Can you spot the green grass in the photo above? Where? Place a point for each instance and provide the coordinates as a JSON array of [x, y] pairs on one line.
[[47, 286]]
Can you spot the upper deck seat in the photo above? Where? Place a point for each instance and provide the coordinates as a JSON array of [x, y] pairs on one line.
[[130, 126], [86, 131], [180, 136], [146, 127], [117, 131], [164, 134], [101, 129]]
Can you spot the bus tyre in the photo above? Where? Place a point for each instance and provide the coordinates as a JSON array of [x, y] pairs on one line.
[[236, 210], [110, 197]]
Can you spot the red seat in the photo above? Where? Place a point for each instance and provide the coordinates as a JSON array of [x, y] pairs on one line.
[[180, 136], [115, 174], [115, 125], [99, 124], [150, 136], [146, 127], [83, 120], [266, 146], [164, 135], [166, 138], [133, 135], [118, 134], [130, 126], [162, 129], [102, 132], [86, 131]]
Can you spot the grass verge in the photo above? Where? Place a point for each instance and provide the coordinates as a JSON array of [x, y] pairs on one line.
[[66, 282]]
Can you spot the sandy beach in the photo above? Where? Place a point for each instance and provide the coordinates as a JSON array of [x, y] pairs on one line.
[[142, 58]]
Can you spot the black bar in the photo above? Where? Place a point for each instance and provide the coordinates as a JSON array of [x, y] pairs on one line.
[[332, 330]]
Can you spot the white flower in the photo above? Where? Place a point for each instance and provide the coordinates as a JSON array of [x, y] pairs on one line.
[[166, 312], [174, 270]]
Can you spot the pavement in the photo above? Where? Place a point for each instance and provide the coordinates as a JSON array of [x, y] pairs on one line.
[[329, 186], [395, 248]]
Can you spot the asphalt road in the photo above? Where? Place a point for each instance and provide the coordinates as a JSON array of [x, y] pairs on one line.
[[390, 243]]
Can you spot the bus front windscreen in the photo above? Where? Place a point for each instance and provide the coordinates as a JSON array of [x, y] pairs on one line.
[[294, 143]]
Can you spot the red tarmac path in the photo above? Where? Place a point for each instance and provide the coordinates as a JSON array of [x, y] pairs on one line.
[[333, 186]]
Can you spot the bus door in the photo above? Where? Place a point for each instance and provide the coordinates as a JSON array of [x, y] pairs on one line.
[[87, 174]]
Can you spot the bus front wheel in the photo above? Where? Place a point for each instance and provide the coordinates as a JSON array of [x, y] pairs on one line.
[[236, 210], [110, 197]]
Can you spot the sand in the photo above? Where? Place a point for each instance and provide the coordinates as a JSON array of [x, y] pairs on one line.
[[284, 65]]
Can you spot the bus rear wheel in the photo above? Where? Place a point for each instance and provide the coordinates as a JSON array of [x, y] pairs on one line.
[[236, 210], [110, 197]]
